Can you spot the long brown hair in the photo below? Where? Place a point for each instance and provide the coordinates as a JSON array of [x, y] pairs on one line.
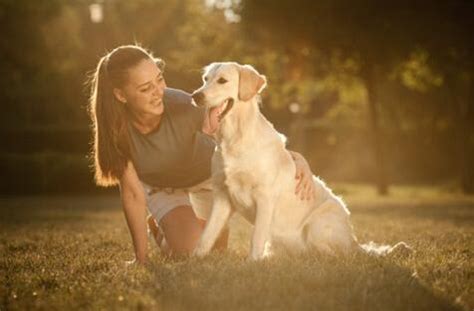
[[111, 143]]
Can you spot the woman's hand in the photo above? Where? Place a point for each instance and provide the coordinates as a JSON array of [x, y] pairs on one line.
[[305, 188]]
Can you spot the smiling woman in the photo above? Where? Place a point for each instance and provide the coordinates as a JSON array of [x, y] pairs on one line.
[[112, 85], [148, 139]]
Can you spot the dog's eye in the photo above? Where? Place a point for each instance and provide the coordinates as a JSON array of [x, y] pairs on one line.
[[205, 79], [221, 81]]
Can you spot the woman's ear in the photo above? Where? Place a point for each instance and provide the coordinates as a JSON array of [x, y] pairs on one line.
[[119, 95], [250, 82]]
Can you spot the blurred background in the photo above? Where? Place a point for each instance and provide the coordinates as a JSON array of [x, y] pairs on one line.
[[377, 92]]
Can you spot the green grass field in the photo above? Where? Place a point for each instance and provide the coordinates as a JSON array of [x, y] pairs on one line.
[[68, 253]]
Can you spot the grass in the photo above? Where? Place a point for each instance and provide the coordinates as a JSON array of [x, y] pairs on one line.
[[69, 253]]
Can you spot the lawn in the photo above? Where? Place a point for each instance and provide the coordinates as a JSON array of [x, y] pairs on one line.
[[69, 253]]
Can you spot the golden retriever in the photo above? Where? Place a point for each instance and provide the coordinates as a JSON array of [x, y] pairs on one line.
[[253, 174]]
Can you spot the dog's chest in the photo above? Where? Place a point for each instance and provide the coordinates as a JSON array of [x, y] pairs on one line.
[[240, 186], [242, 178]]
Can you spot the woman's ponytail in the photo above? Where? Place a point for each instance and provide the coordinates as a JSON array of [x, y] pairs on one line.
[[111, 143]]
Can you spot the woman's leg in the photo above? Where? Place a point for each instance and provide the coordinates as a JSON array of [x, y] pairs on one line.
[[154, 230], [158, 235], [182, 229], [222, 241]]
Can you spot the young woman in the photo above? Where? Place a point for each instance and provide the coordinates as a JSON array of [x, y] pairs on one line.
[[149, 140]]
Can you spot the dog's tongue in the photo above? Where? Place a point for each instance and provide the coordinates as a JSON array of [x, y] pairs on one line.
[[211, 120]]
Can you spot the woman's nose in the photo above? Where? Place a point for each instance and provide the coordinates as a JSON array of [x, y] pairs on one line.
[[159, 88]]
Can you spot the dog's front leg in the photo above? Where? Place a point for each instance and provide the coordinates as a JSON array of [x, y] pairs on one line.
[[261, 233], [221, 211]]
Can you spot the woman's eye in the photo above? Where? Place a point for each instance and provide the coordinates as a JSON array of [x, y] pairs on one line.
[[146, 89], [221, 81]]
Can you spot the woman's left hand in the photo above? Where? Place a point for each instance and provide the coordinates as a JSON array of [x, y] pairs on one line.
[[305, 188]]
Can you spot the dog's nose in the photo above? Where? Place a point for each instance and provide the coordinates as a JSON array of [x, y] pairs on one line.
[[198, 98]]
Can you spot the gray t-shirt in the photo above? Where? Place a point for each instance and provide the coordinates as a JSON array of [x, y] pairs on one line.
[[177, 154]]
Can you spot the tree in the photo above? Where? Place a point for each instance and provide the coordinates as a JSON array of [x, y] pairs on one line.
[[376, 34], [24, 58]]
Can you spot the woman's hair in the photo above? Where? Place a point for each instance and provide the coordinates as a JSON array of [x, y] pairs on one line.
[[111, 143]]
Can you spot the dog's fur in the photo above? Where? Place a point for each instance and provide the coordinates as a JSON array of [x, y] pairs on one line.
[[253, 174]]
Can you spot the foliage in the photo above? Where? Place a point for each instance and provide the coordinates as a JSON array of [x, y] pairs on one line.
[[425, 44], [24, 58], [312, 52], [416, 73]]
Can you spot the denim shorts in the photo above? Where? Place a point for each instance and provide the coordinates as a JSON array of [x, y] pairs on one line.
[[160, 201]]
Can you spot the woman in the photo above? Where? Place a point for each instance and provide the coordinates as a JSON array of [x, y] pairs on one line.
[[148, 140]]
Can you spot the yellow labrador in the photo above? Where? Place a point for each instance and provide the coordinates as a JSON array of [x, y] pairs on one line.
[[253, 174]]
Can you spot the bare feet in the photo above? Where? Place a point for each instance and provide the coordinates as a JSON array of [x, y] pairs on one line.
[[154, 230]]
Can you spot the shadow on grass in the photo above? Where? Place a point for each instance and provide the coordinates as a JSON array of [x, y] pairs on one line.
[[54, 210], [309, 282], [71, 251]]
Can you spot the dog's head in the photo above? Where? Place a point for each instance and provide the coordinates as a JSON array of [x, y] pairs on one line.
[[224, 84]]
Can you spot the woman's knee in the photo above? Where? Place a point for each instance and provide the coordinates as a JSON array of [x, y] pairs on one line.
[[182, 229]]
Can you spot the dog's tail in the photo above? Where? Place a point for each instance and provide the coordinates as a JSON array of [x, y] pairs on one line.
[[372, 248]]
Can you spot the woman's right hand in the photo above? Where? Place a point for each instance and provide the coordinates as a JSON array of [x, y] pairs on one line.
[[134, 207]]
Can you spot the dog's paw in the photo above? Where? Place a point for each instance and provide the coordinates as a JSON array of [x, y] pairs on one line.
[[199, 252], [257, 254], [258, 257], [261, 258], [251, 258], [401, 249]]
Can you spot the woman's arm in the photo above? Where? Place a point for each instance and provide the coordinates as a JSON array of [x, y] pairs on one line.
[[305, 187], [134, 207]]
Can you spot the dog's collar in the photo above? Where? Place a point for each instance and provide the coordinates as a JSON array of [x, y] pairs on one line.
[[228, 107]]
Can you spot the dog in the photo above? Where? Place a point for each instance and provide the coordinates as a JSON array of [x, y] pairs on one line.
[[253, 174]]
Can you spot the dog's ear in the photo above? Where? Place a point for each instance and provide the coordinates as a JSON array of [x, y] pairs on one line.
[[250, 82]]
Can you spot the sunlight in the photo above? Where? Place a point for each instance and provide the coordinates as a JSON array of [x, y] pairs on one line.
[[96, 12]]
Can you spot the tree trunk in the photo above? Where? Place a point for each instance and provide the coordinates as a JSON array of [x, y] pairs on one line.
[[467, 142], [298, 133], [369, 76], [462, 96]]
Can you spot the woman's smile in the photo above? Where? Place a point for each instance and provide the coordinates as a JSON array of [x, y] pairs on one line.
[[157, 102]]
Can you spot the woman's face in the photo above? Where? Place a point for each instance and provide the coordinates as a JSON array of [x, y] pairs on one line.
[[143, 92]]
